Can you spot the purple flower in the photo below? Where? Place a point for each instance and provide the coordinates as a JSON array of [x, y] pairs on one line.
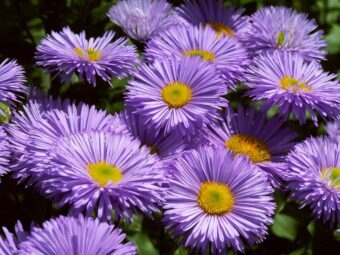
[[284, 29], [142, 19], [225, 21], [296, 87], [101, 172], [9, 243], [226, 54], [4, 151], [217, 200], [68, 235], [179, 96], [166, 146], [333, 130], [66, 53], [314, 177], [12, 79], [265, 142]]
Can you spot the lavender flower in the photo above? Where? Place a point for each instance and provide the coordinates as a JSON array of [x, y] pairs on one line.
[[284, 29], [142, 19], [4, 151], [314, 177], [217, 200], [333, 130], [66, 53], [10, 242], [296, 87]]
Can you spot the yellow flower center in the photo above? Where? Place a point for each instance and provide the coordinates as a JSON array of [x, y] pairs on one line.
[[88, 54], [222, 29], [103, 173], [332, 174], [205, 55], [294, 85], [249, 145], [176, 94], [280, 39], [215, 198]]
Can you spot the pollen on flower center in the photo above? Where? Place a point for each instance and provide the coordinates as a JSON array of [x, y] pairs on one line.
[[215, 198], [88, 54], [176, 94], [249, 145], [332, 174], [222, 29], [294, 85], [205, 55], [103, 173]]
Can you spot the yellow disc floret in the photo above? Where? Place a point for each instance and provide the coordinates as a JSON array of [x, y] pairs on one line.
[[176, 94], [204, 54], [90, 55], [222, 29], [332, 174], [294, 85], [102, 173], [249, 145], [215, 198]]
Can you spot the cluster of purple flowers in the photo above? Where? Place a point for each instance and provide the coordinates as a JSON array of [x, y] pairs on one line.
[[179, 147]]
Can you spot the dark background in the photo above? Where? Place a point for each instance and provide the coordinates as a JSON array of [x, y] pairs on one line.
[[22, 25]]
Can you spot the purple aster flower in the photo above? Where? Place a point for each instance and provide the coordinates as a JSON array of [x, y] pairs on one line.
[[12, 79], [216, 199], [314, 177], [68, 235], [225, 21], [228, 56], [66, 53], [178, 96], [265, 142], [333, 130], [284, 29], [103, 171], [142, 19], [166, 146], [9, 243], [4, 151], [296, 87]]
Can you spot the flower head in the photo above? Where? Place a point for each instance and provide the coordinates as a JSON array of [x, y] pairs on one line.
[[176, 95], [68, 235], [104, 171], [226, 54], [225, 21], [66, 53], [265, 142], [217, 199], [313, 177], [296, 87], [142, 19], [12, 79], [284, 29]]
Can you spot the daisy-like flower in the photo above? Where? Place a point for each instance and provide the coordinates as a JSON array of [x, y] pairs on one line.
[[284, 29], [333, 130], [69, 235], [66, 53], [181, 96], [225, 21], [12, 80], [10, 242], [166, 146], [103, 171], [265, 142], [142, 19], [313, 177], [226, 54], [4, 151], [217, 200], [296, 87]]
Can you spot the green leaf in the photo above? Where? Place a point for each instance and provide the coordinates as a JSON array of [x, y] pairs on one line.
[[332, 38], [144, 244], [285, 226], [5, 113]]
